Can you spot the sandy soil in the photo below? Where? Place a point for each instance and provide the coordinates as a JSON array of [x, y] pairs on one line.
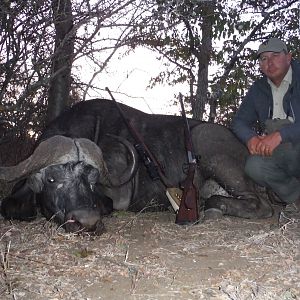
[[148, 256]]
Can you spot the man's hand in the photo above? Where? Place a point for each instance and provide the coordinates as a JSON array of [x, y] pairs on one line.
[[252, 144], [264, 145]]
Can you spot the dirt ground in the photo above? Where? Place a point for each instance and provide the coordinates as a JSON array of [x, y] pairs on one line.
[[147, 256]]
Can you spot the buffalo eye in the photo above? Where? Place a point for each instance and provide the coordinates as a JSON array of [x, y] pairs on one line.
[[50, 179]]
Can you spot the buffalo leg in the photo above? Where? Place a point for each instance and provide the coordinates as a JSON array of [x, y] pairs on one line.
[[249, 207], [223, 159], [245, 201]]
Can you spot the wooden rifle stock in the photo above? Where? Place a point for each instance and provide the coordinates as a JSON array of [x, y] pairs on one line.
[[188, 209]]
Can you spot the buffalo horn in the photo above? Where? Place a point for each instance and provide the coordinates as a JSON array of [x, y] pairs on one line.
[[55, 150], [60, 150], [91, 153]]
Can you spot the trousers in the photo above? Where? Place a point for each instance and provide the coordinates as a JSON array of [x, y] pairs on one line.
[[278, 172]]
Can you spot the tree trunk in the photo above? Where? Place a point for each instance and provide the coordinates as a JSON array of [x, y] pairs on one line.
[[201, 92], [203, 61], [60, 84]]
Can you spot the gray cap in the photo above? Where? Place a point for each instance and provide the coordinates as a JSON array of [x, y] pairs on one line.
[[272, 45]]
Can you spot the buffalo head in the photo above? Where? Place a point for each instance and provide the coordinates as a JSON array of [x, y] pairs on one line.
[[68, 175]]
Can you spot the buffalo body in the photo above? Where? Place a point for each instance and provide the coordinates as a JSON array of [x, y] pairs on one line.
[[77, 193]]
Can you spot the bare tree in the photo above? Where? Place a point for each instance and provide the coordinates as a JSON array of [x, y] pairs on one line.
[[42, 44], [62, 59]]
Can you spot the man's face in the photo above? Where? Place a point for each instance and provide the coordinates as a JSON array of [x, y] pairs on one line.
[[275, 65]]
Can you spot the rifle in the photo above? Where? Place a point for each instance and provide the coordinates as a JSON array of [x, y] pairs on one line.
[[188, 209], [150, 162]]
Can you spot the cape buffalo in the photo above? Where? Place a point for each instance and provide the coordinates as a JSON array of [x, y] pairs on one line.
[[85, 165]]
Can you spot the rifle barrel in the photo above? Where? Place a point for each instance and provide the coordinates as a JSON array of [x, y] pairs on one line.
[[153, 167]]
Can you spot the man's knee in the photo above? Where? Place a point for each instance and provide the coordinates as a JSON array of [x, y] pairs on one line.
[[265, 171], [254, 168]]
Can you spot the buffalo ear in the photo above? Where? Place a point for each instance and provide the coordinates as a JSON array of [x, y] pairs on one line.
[[35, 182]]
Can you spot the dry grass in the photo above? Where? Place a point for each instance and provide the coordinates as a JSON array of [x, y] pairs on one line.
[[147, 256]]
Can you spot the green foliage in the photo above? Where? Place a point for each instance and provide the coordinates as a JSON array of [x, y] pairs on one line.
[[176, 31]]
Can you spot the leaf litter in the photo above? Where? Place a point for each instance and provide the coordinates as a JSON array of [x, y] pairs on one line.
[[148, 256]]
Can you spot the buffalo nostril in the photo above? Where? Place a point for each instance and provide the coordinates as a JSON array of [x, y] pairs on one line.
[[84, 220]]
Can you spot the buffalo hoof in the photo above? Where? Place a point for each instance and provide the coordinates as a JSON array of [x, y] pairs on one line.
[[213, 214]]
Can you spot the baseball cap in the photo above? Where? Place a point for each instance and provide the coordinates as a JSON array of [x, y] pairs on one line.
[[272, 45]]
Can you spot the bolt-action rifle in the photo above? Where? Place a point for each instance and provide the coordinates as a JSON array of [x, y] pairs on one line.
[[153, 168], [188, 209]]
